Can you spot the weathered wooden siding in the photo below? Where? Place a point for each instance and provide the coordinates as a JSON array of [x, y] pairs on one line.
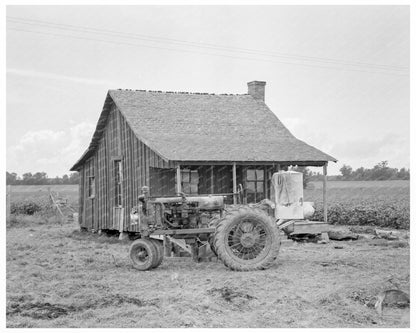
[[118, 142], [81, 199], [89, 203]]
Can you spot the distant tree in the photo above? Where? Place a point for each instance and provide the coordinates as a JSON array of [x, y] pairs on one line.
[[359, 174], [65, 179], [57, 180], [40, 178], [27, 179], [403, 174], [380, 171], [11, 178], [74, 178], [346, 171]]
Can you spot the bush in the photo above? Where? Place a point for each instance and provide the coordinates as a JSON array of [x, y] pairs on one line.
[[378, 213], [23, 221], [29, 207]]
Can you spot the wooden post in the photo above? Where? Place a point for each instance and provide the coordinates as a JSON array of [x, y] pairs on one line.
[[234, 183], [212, 179], [122, 234], [8, 201], [324, 188], [167, 247], [178, 179]]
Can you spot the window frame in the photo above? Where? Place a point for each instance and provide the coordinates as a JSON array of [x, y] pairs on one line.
[[91, 187], [118, 182], [258, 180], [188, 184]]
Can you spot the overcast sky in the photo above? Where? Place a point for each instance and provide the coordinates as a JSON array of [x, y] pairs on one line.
[[337, 76]]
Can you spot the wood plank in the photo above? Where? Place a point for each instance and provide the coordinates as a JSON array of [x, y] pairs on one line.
[[106, 181], [253, 163], [324, 189], [212, 179], [178, 179], [234, 183], [184, 231], [126, 178], [310, 227], [118, 135], [94, 202]]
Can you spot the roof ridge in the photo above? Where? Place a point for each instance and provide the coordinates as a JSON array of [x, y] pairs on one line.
[[179, 92]]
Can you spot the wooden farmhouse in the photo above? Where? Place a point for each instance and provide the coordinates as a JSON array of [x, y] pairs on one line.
[[172, 142]]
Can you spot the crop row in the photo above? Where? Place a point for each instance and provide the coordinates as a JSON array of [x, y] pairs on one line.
[[381, 213], [389, 214]]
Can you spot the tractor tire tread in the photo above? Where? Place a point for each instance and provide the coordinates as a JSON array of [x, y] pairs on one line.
[[219, 244]]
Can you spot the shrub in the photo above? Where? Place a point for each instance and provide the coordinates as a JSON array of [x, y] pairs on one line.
[[30, 207], [26, 208], [378, 213]]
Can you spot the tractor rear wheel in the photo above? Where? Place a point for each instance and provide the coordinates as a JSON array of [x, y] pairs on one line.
[[143, 254], [159, 251], [247, 239]]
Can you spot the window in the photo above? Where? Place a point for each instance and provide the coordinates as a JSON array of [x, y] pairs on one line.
[[118, 179], [189, 181], [255, 185], [91, 187]]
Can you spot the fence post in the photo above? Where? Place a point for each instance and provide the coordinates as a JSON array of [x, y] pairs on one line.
[[8, 201], [325, 195]]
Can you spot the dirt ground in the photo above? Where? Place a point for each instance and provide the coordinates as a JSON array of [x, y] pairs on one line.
[[60, 277]]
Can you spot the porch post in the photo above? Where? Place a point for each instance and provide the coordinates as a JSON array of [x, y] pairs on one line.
[[212, 179], [178, 179], [324, 188], [234, 183]]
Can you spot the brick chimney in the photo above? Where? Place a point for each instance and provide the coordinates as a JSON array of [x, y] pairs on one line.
[[256, 89]]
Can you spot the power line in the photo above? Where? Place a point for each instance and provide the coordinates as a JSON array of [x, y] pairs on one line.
[[331, 61], [193, 51], [203, 45]]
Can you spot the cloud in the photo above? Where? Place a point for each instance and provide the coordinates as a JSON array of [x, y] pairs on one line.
[[53, 152], [368, 152], [291, 123], [53, 76], [34, 140]]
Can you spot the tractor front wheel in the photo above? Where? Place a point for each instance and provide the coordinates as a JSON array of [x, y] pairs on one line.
[[247, 239], [143, 254], [159, 252]]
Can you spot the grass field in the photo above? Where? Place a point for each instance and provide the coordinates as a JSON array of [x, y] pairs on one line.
[[358, 191], [60, 277], [41, 192], [337, 191], [381, 203]]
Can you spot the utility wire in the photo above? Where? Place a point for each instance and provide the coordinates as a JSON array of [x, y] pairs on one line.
[[194, 51], [69, 27]]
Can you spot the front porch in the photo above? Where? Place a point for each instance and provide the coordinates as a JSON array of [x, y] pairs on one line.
[[239, 182]]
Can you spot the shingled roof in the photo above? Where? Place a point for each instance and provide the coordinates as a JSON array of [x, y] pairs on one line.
[[206, 127]]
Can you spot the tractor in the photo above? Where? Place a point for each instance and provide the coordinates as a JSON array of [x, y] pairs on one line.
[[243, 237]]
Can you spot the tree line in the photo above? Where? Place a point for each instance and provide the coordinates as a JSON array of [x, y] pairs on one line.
[[381, 171], [40, 178]]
